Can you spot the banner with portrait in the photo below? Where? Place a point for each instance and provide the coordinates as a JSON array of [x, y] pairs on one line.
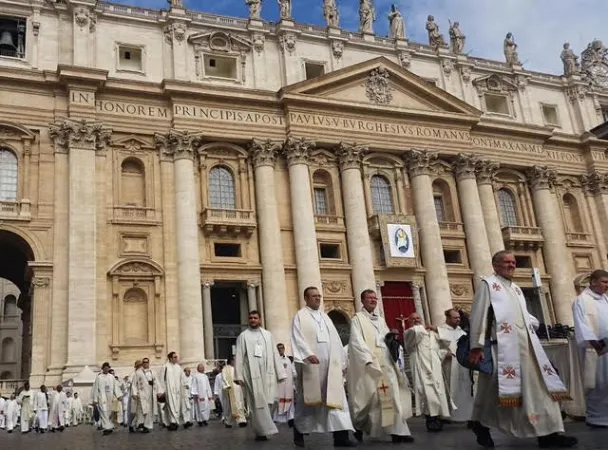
[[401, 242]]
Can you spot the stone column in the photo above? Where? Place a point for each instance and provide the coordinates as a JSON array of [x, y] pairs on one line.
[[297, 152], [485, 171], [420, 164], [355, 215], [82, 140], [556, 255], [418, 300], [40, 296], [263, 155], [182, 145], [470, 205], [208, 320], [593, 185], [380, 306], [252, 302]]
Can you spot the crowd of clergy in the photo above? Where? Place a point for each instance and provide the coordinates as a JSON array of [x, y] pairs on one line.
[[368, 389]]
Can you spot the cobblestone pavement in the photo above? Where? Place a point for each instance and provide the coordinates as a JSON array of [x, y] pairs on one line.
[[85, 437]]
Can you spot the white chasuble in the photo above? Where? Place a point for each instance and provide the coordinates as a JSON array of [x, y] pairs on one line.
[[203, 397], [173, 384], [105, 390], [285, 409]]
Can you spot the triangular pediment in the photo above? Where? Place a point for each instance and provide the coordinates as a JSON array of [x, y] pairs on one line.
[[380, 82]]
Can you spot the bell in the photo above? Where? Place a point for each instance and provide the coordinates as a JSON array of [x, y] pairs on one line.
[[6, 40]]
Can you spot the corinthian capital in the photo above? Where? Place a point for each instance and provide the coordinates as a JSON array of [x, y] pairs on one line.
[[486, 171], [178, 144], [464, 166], [420, 162], [263, 153], [351, 155], [595, 183], [297, 150], [541, 177], [79, 134]]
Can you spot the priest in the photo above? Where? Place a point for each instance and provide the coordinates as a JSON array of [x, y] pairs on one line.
[[590, 310], [233, 402], [202, 395], [285, 410], [174, 389], [321, 404], [522, 395], [25, 400], [144, 390], [187, 399], [380, 396], [259, 370], [41, 408], [424, 346], [103, 394], [77, 410], [58, 406]]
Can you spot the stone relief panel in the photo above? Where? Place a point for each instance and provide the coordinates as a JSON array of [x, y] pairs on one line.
[[132, 244]]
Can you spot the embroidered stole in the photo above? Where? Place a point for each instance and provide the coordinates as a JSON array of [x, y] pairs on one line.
[[311, 378], [509, 305], [228, 381], [591, 356], [370, 334], [286, 388]]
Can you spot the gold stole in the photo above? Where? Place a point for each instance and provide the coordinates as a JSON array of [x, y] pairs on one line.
[[227, 375], [591, 356], [386, 398]]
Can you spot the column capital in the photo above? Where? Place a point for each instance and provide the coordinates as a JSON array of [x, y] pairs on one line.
[[252, 284], [207, 284], [465, 165], [79, 134], [41, 282], [379, 284], [178, 144], [350, 156], [541, 177], [297, 150], [595, 183], [420, 162], [263, 153], [486, 171]]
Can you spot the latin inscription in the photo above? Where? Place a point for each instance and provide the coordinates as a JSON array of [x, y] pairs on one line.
[[227, 115], [82, 97], [131, 109]]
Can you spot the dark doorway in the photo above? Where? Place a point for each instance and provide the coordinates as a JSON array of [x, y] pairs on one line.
[[227, 320], [341, 323]]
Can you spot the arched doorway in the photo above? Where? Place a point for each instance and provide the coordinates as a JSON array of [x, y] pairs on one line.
[[342, 324], [15, 254]]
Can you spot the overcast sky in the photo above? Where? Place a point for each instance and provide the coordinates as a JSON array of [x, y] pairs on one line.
[[540, 27]]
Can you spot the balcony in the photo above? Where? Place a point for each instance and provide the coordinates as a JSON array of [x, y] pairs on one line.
[[330, 223], [224, 222], [9, 321], [133, 214], [579, 240], [451, 229], [522, 238], [15, 210]]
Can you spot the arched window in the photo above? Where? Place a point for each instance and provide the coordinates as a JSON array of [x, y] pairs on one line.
[[573, 217], [8, 350], [382, 195], [323, 193], [443, 201], [10, 306], [508, 211], [135, 323], [8, 175], [133, 183], [221, 188]]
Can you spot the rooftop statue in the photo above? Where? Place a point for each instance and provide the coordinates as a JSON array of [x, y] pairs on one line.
[[570, 60], [396, 22], [510, 49], [176, 3], [255, 9], [594, 63], [367, 15], [331, 13], [457, 38], [436, 39], [285, 9]]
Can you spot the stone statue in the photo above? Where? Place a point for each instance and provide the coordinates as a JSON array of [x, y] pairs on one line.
[[570, 60], [510, 49], [457, 38], [594, 63], [176, 3], [331, 13], [255, 9], [397, 25], [436, 39], [367, 15], [285, 9]]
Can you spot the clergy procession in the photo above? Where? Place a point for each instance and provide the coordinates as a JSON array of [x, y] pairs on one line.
[[487, 371]]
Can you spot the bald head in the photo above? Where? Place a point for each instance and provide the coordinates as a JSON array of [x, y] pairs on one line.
[[415, 319], [200, 368]]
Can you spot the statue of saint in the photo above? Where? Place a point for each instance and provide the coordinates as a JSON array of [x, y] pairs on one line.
[[570, 60], [436, 39], [330, 11], [285, 9], [176, 3], [255, 9], [367, 15], [397, 25], [510, 49], [457, 38]]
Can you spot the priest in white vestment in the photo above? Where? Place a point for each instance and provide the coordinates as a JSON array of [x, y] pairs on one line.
[[173, 386], [144, 390], [202, 396], [217, 390], [259, 370], [11, 413], [458, 378], [233, 400], [41, 409], [522, 395], [25, 401], [590, 310], [321, 404], [58, 405], [77, 410], [187, 399], [105, 391], [2, 413], [379, 395], [285, 409]]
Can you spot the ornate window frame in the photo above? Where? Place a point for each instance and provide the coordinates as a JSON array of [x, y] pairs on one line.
[[221, 44], [391, 168], [144, 57], [498, 85]]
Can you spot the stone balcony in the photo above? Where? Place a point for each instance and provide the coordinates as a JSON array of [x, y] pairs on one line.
[[329, 223], [228, 221], [579, 240], [133, 214], [524, 238], [15, 211], [9, 322], [451, 229]]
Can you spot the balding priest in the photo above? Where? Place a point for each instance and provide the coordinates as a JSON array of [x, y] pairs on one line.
[[521, 397], [379, 394]]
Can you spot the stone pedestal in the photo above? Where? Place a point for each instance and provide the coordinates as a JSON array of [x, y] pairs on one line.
[[485, 172]]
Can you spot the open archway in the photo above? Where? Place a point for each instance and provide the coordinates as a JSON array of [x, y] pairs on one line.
[[342, 324]]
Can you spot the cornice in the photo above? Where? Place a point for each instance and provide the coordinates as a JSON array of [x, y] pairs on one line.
[[190, 90], [512, 129]]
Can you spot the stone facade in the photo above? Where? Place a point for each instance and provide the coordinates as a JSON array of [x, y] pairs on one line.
[[169, 170]]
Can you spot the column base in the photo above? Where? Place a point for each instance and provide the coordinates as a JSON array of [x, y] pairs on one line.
[[36, 379]]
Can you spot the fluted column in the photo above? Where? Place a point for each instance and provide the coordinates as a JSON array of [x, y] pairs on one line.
[[275, 310], [297, 152], [181, 146], [208, 320], [355, 216], [474, 225], [593, 185], [556, 255], [81, 140], [420, 164], [485, 171]]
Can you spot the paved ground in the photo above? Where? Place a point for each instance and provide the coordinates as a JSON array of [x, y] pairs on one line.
[[216, 437]]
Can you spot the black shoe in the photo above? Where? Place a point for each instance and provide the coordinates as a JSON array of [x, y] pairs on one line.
[[145, 430], [401, 439], [290, 423], [200, 424], [470, 424], [484, 438], [106, 432], [261, 438], [243, 425], [205, 423], [131, 430], [187, 425], [557, 441], [298, 438], [61, 429], [173, 427], [341, 439], [227, 426], [358, 435], [42, 431], [9, 431], [433, 424]]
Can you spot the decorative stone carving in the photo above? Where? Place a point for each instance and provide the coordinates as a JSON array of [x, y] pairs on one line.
[[436, 39], [177, 31], [594, 63], [176, 3], [458, 290], [350, 156], [570, 60], [421, 162], [284, 9], [457, 38], [486, 171], [447, 65], [405, 58], [288, 42], [397, 25], [367, 16], [337, 48], [255, 9], [178, 144], [331, 13], [465, 72], [465, 166], [378, 88], [510, 50], [41, 282], [333, 288], [84, 17], [263, 153], [576, 92], [541, 177], [595, 183], [258, 40], [79, 134], [297, 150], [35, 28]]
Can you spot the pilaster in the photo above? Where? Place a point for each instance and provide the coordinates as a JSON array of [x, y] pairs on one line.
[[175, 32], [84, 27], [208, 319]]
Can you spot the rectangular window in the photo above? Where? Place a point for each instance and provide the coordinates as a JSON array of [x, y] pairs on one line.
[[225, 250], [523, 262], [12, 37], [497, 104], [330, 251], [550, 115], [220, 67], [321, 202], [452, 256], [130, 58], [314, 70], [439, 208]]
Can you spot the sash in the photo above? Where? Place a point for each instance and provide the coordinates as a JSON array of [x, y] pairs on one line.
[[370, 334], [590, 355], [229, 387], [311, 378], [508, 320]]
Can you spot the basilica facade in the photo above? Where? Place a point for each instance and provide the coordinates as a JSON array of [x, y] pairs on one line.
[[162, 172]]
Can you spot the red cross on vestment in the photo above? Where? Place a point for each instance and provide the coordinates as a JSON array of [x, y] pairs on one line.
[[506, 327], [509, 372], [496, 287], [548, 369], [383, 388]]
